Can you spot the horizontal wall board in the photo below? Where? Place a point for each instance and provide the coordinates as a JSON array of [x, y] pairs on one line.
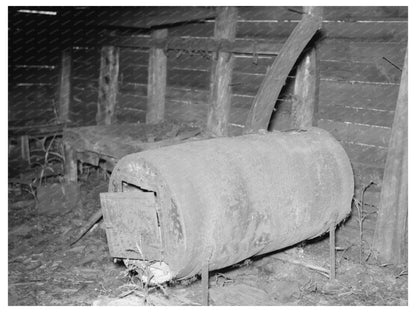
[[368, 31], [33, 75], [364, 13], [360, 95], [354, 115], [186, 112], [355, 133], [85, 71], [380, 72], [269, 12], [131, 101], [364, 174], [130, 57], [363, 52], [346, 13], [373, 156], [202, 29]]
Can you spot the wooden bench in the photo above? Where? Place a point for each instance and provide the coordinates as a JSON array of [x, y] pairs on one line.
[[108, 143]]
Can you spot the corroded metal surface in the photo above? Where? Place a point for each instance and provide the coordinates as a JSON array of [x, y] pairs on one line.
[[227, 199]]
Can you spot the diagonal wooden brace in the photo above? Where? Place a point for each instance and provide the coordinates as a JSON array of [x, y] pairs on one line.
[[263, 104]]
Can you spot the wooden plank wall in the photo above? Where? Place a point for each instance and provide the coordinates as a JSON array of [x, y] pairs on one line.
[[358, 87], [361, 50], [33, 71]]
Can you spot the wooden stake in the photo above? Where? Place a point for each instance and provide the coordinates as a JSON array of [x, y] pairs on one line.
[[332, 255], [306, 89], [107, 85], [390, 235], [222, 68], [205, 282], [25, 148], [71, 163], [65, 86], [264, 102], [156, 85]]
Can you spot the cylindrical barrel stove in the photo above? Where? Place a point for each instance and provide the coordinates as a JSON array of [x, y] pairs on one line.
[[226, 199]]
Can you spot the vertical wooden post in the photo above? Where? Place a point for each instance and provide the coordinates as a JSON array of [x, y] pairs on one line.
[[306, 89], [107, 85], [65, 85], [156, 85], [390, 235], [332, 252], [71, 163], [25, 148], [205, 283], [220, 95]]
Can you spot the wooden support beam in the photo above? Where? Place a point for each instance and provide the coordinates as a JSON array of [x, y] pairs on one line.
[[250, 46], [306, 89], [65, 86], [265, 100], [156, 85], [222, 68], [107, 85], [390, 235]]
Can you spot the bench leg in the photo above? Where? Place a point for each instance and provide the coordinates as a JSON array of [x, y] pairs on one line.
[[71, 163], [24, 145]]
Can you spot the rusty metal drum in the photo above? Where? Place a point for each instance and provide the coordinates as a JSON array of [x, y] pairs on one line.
[[223, 200]]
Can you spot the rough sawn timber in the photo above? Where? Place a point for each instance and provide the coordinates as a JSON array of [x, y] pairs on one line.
[[156, 87], [108, 85], [220, 97]]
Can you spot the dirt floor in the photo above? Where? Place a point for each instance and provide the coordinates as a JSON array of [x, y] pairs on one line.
[[43, 269]]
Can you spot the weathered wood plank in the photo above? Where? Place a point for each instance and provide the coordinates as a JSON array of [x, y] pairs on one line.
[[349, 132], [356, 115], [39, 75], [365, 13], [64, 93], [348, 13], [188, 43], [201, 29], [186, 112], [276, 13], [188, 79], [71, 163], [306, 89], [369, 31], [372, 156], [146, 17], [378, 72], [137, 92], [364, 174], [108, 85], [266, 97], [364, 52], [390, 237], [331, 48], [376, 69], [193, 79], [130, 57], [359, 95], [156, 84], [222, 68]]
